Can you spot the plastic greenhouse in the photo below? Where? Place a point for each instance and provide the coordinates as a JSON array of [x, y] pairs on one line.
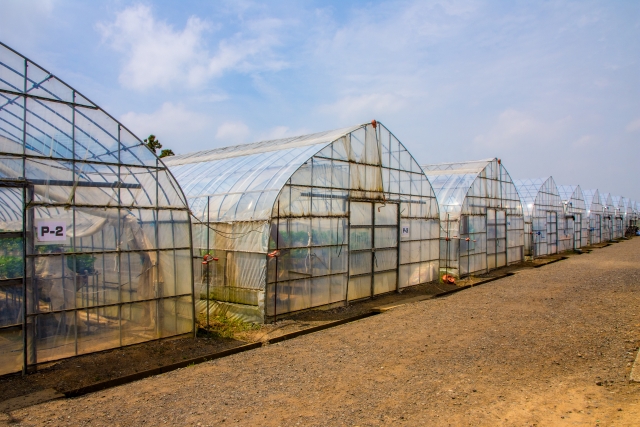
[[618, 217], [102, 225], [309, 221], [575, 212], [480, 215], [608, 216], [595, 213], [627, 214], [543, 217], [633, 218]]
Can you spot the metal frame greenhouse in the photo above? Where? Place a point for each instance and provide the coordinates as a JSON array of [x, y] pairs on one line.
[[543, 217], [595, 213], [627, 213], [101, 223], [608, 215], [575, 211], [618, 217], [310, 221], [481, 217]]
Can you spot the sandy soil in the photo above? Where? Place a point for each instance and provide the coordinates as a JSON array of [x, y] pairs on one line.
[[547, 346]]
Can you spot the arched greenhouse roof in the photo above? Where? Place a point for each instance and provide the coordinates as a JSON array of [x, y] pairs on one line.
[[572, 195], [454, 182], [534, 191], [244, 181], [53, 133], [592, 200], [607, 202]]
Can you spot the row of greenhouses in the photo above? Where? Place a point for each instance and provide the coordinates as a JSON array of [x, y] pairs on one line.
[[104, 245]]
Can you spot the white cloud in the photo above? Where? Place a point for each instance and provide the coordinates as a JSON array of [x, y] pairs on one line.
[[280, 132], [232, 132], [174, 125], [586, 141], [364, 107], [158, 55], [515, 128], [634, 125]]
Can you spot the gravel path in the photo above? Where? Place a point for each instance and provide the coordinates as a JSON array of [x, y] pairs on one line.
[[547, 346]]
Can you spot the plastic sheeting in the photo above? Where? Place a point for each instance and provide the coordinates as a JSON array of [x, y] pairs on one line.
[[309, 221], [619, 208], [595, 214], [543, 216], [477, 201], [577, 219], [608, 216], [104, 225]]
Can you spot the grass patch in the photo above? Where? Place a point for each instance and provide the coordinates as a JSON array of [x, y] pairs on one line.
[[221, 326]]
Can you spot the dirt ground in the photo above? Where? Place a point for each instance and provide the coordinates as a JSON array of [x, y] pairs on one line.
[[85, 370], [546, 346]]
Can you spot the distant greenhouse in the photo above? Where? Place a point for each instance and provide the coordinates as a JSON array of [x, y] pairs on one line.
[[608, 216], [94, 231], [480, 215], [576, 217], [543, 216], [595, 213], [309, 221], [618, 217]]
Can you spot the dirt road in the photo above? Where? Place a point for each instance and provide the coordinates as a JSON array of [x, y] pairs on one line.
[[547, 346]]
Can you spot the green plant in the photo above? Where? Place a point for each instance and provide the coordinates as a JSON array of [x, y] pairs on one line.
[[83, 263], [154, 145], [220, 326], [11, 267]]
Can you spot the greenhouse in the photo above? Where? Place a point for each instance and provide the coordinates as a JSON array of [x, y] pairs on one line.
[[575, 212], [309, 221], [627, 214], [94, 231], [543, 217], [594, 212], [618, 217], [480, 215], [608, 216]]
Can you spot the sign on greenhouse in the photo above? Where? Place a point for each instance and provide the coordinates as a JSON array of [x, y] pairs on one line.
[[405, 231], [51, 231]]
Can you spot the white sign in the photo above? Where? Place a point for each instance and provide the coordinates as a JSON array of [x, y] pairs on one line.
[[51, 231], [405, 231]]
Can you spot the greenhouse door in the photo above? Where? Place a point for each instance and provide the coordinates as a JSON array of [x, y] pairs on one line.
[[496, 238], [12, 241], [577, 231], [552, 232], [373, 249]]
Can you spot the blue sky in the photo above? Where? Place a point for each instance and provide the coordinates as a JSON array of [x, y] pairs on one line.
[[550, 87]]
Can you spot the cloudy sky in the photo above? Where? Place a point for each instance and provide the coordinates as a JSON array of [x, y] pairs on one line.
[[551, 87]]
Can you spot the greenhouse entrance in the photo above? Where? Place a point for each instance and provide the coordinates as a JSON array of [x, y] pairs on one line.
[[577, 230], [496, 238], [373, 249], [552, 232]]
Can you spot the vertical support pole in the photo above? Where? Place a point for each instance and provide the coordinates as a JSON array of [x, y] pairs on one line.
[[373, 247], [74, 273], [348, 251], [29, 317], [27, 231], [275, 285], [119, 235], [207, 275], [156, 277], [399, 235]]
